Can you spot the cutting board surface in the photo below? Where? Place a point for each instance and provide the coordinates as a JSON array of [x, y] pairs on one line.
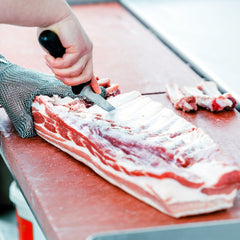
[[69, 199]]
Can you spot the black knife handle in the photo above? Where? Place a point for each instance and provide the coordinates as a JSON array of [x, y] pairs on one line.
[[50, 41]]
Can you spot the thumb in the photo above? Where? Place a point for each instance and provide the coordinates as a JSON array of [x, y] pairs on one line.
[[24, 125]]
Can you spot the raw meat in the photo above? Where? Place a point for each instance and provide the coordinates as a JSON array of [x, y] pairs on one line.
[[185, 102], [205, 95], [144, 149], [112, 89], [210, 89]]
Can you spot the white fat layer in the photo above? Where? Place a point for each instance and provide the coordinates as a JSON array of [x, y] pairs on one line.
[[191, 91], [187, 106], [209, 88], [174, 93], [223, 102]]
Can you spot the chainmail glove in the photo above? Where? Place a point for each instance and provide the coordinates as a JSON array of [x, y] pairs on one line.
[[18, 88]]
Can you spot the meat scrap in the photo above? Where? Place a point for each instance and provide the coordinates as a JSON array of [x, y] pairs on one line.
[[112, 89], [205, 95], [180, 100], [144, 149], [226, 100]]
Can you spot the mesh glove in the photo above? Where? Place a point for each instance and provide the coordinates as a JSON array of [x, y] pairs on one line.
[[18, 88]]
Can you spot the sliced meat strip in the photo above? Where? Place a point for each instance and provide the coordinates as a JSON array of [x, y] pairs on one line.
[[185, 102], [226, 100], [209, 88], [205, 95], [203, 100]]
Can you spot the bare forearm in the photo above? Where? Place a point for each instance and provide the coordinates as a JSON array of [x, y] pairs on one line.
[[40, 13], [76, 65]]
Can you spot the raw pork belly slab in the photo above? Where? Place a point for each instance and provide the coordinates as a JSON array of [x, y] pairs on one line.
[[144, 149]]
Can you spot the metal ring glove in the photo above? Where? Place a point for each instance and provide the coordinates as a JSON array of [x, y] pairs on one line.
[[18, 88]]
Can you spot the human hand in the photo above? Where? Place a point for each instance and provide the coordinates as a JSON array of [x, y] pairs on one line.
[[76, 66], [18, 88]]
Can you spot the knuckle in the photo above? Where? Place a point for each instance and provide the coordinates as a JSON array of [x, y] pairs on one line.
[[85, 49], [76, 72], [85, 77]]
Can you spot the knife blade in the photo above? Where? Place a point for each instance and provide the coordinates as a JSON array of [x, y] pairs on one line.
[[96, 98], [51, 42]]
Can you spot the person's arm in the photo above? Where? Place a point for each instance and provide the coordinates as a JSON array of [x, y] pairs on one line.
[[33, 13], [76, 66]]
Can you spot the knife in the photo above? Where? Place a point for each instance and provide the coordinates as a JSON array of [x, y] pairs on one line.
[[153, 93], [51, 42]]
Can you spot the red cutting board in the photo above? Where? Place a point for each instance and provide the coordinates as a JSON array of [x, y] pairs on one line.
[[69, 200]]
